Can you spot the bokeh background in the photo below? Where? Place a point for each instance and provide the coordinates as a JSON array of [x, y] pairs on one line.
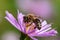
[[11, 6]]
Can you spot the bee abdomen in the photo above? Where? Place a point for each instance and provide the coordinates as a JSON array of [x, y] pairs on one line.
[[37, 23]]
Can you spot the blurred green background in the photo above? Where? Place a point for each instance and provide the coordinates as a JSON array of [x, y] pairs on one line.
[[10, 5]]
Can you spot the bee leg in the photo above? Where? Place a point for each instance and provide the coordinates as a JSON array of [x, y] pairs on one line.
[[35, 27], [39, 28]]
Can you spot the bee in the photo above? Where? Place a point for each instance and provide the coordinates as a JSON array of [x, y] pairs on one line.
[[37, 23], [30, 18]]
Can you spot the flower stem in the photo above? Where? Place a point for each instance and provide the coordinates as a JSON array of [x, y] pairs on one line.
[[23, 36], [27, 38]]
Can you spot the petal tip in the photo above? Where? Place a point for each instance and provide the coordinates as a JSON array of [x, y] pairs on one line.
[[56, 32], [6, 12]]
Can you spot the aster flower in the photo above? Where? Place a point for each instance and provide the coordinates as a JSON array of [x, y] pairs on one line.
[[45, 30], [41, 8]]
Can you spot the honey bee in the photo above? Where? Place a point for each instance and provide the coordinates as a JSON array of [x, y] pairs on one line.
[[30, 18]]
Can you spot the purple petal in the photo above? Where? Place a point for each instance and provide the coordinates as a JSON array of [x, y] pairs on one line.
[[52, 31], [36, 33], [49, 33], [44, 23], [46, 34], [44, 29], [20, 21], [31, 32], [12, 20]]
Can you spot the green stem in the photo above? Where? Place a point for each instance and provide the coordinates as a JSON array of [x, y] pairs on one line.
[[27, 38], [23, 36]]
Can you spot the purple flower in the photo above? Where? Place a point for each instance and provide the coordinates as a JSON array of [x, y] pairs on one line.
[[41, 8], [45, 30]]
